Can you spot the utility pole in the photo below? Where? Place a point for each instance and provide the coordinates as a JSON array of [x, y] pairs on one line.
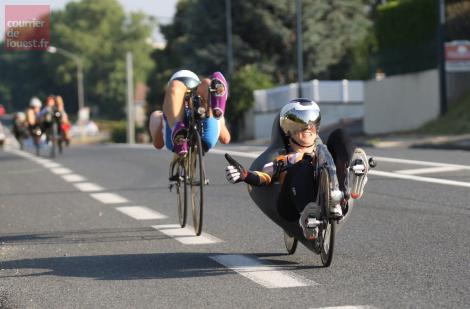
[[79, 64], [130, 100], [300, 64], [441, 57], [81, 91], [228, 19]]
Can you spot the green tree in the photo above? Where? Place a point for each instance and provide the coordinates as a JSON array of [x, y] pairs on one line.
[[264, 35], [245, 80], [458, 20], [101, 34], [406, 36]]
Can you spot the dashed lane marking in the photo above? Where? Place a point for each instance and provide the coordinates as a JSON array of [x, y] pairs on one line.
[[61, 171], [109, 198], [51, 165], [73, 178], [186, 235], [262, 273], [88, 187], [141, 213]]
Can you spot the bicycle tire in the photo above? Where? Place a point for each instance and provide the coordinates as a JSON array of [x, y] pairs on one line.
[[197, 181], [327, 230], [60, 145], [37, 141], [290, 242], [182, 193], [52, 140]]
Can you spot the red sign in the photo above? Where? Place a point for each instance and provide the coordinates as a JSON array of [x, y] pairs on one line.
[[458, 56], [27, 27]]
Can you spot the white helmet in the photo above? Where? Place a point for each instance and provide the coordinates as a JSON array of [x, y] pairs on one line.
[[299, 114], [20, 116], [188, 78], [35, 102]]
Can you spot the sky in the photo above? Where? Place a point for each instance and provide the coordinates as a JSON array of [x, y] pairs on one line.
[[164, 10]]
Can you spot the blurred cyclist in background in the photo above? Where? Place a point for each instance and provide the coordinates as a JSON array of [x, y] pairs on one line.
[[46, 113], [55, 111], [32, 113], [2, 110], [65, 122], [20, 127]]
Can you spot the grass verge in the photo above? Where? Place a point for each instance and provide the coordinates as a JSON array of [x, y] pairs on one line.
[[455, 121]]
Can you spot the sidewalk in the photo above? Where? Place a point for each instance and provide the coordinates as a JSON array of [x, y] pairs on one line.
[[99, 138]]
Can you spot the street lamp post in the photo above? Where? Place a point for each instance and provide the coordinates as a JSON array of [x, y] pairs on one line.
[[300, 64], [78, 62], [441, 57], [228, 25]]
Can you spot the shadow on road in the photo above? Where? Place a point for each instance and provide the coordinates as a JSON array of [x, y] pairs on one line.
[[82, 236], [121, 266], [130, 266], [120, 189]]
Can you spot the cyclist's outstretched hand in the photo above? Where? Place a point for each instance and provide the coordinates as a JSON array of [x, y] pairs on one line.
[[234, 172]]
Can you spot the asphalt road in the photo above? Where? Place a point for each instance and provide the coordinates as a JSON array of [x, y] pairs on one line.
[[66, 245]]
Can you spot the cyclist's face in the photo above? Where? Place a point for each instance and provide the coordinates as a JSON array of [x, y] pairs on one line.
[[306, 136]]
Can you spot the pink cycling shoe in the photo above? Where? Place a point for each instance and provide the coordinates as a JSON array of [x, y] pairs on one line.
[[179, 138], [219, 94]]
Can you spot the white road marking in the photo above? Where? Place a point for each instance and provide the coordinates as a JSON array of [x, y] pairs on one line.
[[385, 174], [141, 213], [61, 171], [236, 153], [421, 178], [429, 170], [51, 165], [73, 178], [88, 187], [346, 307], [186, 235], [262, 273], [416, 162], [109, 198]]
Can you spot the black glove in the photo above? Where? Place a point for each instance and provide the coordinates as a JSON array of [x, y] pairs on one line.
[[234, 172]]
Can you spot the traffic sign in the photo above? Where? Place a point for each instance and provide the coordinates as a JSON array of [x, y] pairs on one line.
[[457, 56]]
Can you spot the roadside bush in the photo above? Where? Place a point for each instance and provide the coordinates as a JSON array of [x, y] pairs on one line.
[[406, 35], [119, 132], [244, 82]]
